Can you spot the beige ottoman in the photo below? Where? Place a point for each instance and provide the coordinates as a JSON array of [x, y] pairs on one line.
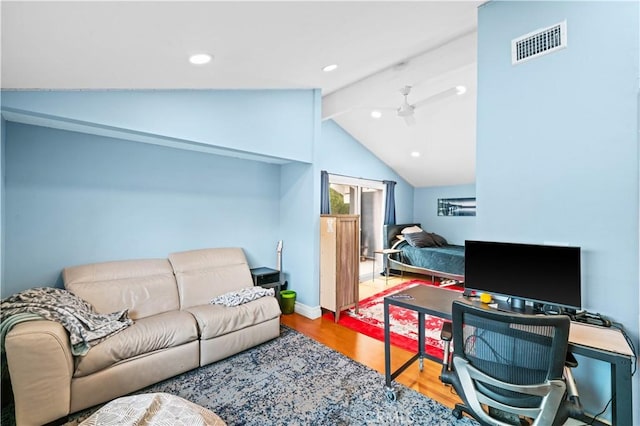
[[153, 409]]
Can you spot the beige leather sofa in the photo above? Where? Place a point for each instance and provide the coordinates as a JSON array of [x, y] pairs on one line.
[[175, 330]]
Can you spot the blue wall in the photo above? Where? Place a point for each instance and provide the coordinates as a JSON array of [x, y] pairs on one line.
[[455, 229], [2, 203], [301, 238], [74, 198], [557, 149], [277, 123], [299, 201], [148, 200]]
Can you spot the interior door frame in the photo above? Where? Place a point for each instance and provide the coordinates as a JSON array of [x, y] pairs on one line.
[[360, 183]]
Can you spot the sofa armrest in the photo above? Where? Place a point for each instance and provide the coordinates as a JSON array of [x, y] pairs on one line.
[[41, 367]]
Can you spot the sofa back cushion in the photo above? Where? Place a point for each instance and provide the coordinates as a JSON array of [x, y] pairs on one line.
[[207, 273], [145, 287]]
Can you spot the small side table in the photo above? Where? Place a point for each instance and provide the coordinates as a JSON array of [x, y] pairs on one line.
[[275, 286], [267, 278], [385, 261]]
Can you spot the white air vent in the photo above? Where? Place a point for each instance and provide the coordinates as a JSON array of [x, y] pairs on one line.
[[538, 43]]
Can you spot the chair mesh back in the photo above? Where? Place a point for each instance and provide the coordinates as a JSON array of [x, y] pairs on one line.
[[518, 349], [508, 353]]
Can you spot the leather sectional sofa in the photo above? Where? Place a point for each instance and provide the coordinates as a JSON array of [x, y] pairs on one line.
[[175, 329]]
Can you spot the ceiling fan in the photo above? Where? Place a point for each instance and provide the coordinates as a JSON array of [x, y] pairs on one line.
[[406, 110]]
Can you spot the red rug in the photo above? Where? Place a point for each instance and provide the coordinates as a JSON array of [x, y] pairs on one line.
[[404, 322]]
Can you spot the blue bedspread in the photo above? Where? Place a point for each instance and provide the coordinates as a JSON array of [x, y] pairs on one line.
[[448, 259]]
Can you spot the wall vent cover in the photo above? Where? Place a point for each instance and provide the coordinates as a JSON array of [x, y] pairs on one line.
[[539, 42]]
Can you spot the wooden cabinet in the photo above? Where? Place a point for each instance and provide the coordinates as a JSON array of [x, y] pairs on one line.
[[339, 263]]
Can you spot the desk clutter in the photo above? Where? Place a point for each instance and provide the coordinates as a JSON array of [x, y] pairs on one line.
[[589, 318], [542, 308]]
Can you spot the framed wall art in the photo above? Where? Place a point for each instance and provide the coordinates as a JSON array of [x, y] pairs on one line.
[[456, 206]]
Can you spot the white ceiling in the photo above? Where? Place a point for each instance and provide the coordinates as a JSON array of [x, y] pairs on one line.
[[379, 47]]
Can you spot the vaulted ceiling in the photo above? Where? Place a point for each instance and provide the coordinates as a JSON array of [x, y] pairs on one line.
[[380, 47]]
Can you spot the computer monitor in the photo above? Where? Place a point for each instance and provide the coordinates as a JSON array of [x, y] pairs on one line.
[[548, 276]]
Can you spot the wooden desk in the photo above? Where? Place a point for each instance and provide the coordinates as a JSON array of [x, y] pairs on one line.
[[601, 343], [609, 345], [605, 338]]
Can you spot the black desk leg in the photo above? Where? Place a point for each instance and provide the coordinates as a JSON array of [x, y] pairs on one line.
[[421, 350], [390, 392], [621, 408]]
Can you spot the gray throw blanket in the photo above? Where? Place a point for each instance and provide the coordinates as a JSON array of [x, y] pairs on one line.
[[86, 327]]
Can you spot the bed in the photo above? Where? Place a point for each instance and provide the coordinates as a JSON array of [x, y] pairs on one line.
[[445, 262]]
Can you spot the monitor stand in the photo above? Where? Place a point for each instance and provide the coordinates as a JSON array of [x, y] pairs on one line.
[[515, 305]]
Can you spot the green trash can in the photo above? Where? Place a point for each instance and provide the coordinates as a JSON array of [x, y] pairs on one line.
[[287, 301]]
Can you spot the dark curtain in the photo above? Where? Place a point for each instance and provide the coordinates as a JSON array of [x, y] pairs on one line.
[[390, 203], [325, 207]]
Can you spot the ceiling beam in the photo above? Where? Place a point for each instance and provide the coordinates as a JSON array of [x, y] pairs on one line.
[[446, 58]]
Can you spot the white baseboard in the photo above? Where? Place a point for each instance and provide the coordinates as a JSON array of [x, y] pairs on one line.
[[311, 312]]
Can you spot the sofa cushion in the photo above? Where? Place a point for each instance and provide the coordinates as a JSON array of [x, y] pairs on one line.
[[145, 287], [217, 320], [204, 274], [146, 335]]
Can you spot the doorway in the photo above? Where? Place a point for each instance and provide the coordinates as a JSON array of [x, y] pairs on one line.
[[365, 198]]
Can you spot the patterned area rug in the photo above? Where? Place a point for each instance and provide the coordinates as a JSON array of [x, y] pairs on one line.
[[294, 380], [404, 322]]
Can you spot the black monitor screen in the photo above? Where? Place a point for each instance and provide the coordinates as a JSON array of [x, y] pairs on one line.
[[525, 272]]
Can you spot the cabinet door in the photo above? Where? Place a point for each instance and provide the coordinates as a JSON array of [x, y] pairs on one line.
[[347, 261], [328, 256], [339, 262]]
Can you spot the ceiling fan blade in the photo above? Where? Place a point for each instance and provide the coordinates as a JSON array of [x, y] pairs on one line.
[[437, 97], [410, 120]]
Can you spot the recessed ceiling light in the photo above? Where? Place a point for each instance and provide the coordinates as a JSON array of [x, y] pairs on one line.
[[200, 59], [330, 68], [415, 154], [376, 114], [461, 90]]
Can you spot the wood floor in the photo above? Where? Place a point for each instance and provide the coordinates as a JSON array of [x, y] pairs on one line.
[[370, 352]]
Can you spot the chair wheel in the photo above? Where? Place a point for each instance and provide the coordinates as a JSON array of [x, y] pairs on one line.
[[391, 395], [457, 413]]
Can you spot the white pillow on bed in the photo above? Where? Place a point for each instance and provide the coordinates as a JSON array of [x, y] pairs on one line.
[[411, 229]]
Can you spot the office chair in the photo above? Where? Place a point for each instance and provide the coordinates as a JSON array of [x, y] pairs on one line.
[[508, 367]]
